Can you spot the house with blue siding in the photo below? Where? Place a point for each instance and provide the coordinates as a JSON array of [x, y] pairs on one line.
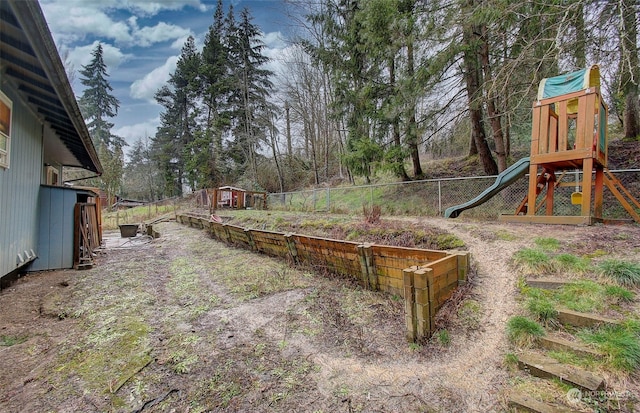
[[41, 132]]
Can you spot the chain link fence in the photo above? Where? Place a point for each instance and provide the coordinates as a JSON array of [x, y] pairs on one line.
[[432, 197]]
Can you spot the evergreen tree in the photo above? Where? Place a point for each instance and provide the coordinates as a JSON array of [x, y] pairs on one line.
[[97, 103], [251, 89], [98, 106], [173, 142], [215, 74]]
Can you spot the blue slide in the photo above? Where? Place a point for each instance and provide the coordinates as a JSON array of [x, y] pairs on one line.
[[506, 178]]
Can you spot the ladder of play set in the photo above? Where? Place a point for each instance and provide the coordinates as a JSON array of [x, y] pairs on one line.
[[622, 194]]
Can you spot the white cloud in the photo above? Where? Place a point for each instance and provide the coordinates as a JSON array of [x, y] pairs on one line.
[[274, 40], [74, 20], [153, 7], [161, 32], [112, 56], [131, 133], [146, 87]]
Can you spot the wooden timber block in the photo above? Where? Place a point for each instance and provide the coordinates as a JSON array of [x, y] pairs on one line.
[[546, 283], [560, 344], [521, 401], [577, 319], [546, 367]]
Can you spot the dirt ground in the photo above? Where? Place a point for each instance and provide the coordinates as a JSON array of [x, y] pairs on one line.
[[184, 323]]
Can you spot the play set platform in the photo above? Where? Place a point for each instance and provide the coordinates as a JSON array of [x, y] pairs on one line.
[[569, 134]]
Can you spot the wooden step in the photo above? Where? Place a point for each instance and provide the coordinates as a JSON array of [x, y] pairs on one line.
[[546, 367], [546, 283], [523, 402], [577, 319], [560, 344]]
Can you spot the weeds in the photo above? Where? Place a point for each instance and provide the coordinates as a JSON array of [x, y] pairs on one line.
[[542, 308], [8, 341], [583, 296], [522, 331], [547, 244], [448, 241], [619, 343], [443, 338], [571, 263], [532, 261], [470, 314], [621, 272]]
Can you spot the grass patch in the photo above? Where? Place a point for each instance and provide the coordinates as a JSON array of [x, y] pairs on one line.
[[541, 260], [621, 272], [448, 241], [547, 244], [571, 263], [620, 344], [505, 235], [267, 277], [584, 296], [542, 307], [532, 261], [568, 357], [523, 331], [111, 220], [443, 338], [470, 314], [8, 341]]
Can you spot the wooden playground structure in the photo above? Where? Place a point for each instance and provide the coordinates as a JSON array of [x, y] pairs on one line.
[[569, 133]]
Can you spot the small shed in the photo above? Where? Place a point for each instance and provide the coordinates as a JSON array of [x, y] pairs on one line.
[[238, 198]]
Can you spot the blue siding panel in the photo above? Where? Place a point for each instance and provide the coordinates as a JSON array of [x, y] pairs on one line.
[[19, 187], [70, 199], [55, 241]]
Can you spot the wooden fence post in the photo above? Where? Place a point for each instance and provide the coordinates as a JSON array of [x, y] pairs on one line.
[[252, 243], [291, 246], [371, 267], [409, 303], [463, 267], [423, 286], [364, 268], [226, 233], [368, 273]]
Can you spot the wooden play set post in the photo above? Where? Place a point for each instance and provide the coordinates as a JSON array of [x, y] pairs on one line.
[[569, 132]]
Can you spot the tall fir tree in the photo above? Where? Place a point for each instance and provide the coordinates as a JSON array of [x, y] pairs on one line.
[[98, 105], [173, 143], [251, 89]]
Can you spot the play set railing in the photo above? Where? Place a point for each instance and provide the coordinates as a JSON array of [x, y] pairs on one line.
[[570, 127]]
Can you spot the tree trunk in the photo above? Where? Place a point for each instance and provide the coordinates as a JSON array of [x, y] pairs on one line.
[[629, 68], [472, 77], [400, 170], [274, 150], [412, 129], [495, 118], [287, 110], [581, 42]]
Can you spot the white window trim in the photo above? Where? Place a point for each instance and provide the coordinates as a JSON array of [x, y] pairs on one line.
[[5, 156]]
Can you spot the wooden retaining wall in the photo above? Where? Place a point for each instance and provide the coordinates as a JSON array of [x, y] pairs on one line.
[[424, 278]]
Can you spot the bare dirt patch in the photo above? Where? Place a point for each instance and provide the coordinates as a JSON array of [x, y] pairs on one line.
[[185, 323]]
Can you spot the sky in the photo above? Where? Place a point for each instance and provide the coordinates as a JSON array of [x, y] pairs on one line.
[[142, 40]]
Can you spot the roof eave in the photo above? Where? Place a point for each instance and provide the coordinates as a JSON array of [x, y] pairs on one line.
[[35, 27]]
